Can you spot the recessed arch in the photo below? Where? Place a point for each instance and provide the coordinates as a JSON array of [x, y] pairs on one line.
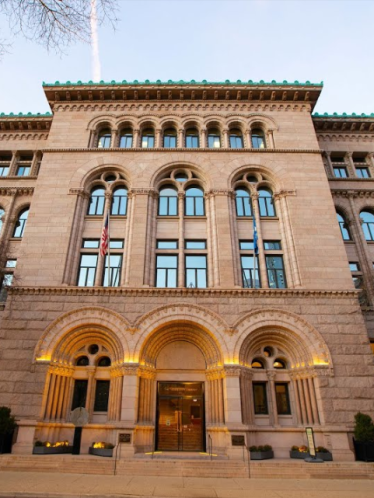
[[273, 180], [86, 174], [162, 172]]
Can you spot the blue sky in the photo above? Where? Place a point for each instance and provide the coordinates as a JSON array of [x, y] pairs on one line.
[[213, 40]]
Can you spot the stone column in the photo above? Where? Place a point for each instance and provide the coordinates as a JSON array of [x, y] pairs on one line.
[[130, 388], [214, 240], [313, 401], [285, 246], [151, 215], [234, 239], [270, 139], [233, 410], [56, 397], [274, 411], [68, 397], [128, 238], [203, 138], [9, 220], [215, 415], [34, 164], [135, 141], [246, 396], [153, 241], [158, 138], [226, 138], [307, 400], [290, 241], [350, 165], [90, 400], [13, 164], [302, 400], [51, 392], [181, 265], [181, 143], [114, 139], [370, 161], [99, 278], [261, 254], [328, 164], [147, 378], [297, 399], [247, 139]]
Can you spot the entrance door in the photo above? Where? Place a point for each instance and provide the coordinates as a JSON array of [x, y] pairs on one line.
[[180, 416]]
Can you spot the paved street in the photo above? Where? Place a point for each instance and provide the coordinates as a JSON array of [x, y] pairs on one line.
[[54, 485]]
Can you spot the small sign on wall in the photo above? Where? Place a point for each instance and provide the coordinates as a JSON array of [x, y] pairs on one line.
[[124, 438], [310, 438], [238, 440]]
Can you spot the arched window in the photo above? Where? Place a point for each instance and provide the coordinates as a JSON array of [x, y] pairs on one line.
[[257, 363], [97, 202], [170, 138], [104, 361], [105, 137], [279, 364], [168, 202], [236, 139], [343, 227], [2, 215], [194, 202], [119, 202], [192, 138], [21, 224], [148, 138], [243, 202], [82, 361], [367, 224], [125, 138], [265, 202], [214, 138], [258, 139]]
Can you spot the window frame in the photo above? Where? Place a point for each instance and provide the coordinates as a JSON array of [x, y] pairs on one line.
[[22, 224], [97, 202], [287, 397], [120, 201], [264, 386], [196, 270], [251, 271], [176, 269], [194, 203], [276, 270]]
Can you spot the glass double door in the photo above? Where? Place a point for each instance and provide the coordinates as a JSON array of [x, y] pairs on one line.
[[180, 416]]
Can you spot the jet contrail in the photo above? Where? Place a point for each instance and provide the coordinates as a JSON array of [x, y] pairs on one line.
[[95, 57]]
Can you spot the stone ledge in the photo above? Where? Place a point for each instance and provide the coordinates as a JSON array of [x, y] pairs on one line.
[[184, 149]]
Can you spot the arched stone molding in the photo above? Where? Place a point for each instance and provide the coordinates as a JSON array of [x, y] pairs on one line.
[[262, 120], [201, 320], [79, 325], [125, 122], [344, 211], [301, 340], [102, 121], [86, 173], [274, 180], [164, 170]]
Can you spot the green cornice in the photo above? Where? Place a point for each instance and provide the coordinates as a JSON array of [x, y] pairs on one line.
[[185, 83], [25, 115], [343, 116]]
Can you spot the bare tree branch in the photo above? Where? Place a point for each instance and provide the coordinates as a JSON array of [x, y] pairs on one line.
[[55, 23]]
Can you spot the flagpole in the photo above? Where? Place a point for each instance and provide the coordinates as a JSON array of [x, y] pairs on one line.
[[254, 265], [109, 276]]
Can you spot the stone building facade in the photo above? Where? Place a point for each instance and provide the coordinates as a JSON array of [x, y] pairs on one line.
[[188, 340]]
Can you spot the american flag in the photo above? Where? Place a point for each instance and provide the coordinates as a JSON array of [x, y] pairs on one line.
[[104, 237]]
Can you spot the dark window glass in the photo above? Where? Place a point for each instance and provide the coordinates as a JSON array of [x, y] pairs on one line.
[[274, 245], [275, 270], [168, 202], [97, 202], [358, 282], [265, 202], [91, 243], [80, 394], [258, 139], [115, 270], [337, 159], [23, 170], [196, 275], [195, 244], [125, 141], [101, 396], [148, 138], [363, 172], [367, 224], [2, 216], [283, 400], [93, 348], [119, 202], [343, 227], [340, 172], [243, 202], [104, 361], [354, 267], [167, 244], [194, 202], [236, 139], [21, 224], [82, 361], [170, 138], [105, 138], [260, 398], [167, 271], [87, 270], [249, 272], [246, 245], [192, 138], [214, 139]]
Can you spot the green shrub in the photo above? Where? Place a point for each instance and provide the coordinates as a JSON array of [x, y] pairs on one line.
[[321, 449], [364, 428], [267, 447], [253, 448], [295, 448], [7, 422], [39, 443]]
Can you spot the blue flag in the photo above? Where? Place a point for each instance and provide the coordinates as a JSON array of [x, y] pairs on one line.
[[255, 237]]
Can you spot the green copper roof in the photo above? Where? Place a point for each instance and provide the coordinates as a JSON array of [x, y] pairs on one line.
[[182, 82], [344, 115], [25, 115]]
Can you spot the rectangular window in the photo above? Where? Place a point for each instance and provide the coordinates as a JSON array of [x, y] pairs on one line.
[[340, 172], [250, 275], [167, 271], [167, 205], [260, 398], [170, 141], [354, 266], [358, 282], [4, 170], [87, 270], [11, 263], [283, 400], [80, 394], [126, 142], [275, 271], [272, 245], [167, 244], [192, 141], [362, 172], [196, 275], [91, 243], [23, 170], [246, 245], [116, 244], [115, 270], [195, 244], [5, 160], [102, 396]]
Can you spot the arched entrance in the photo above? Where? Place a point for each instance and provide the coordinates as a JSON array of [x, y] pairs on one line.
[[174, 390]]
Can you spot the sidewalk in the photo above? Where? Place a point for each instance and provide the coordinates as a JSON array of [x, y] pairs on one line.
[[54, 485]]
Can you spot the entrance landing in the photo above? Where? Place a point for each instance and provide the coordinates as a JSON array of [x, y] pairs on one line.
[[180, 455]]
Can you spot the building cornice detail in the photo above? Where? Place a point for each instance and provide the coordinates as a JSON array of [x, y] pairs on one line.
[[185, 292], [16, 190], [182, 149], [23, 136], [358, 137], [349, 193]]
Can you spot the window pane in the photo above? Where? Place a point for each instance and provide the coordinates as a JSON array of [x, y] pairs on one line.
[[161, 278], [167, 244], [199, 206], [283, 402], [250, 279], [195, 244], [201, 279], [116, 244], [173, 206], [126, 141], [246, 245], [162, 206], [171, 278], [354, 267], [276, 276], [80, 394], [115, 270], [91, 243], [272, 245], [260, 399], [195, 261], [190, 278], [167, 261], [87, 270], [102, 396], [11, 263], [190, 206]]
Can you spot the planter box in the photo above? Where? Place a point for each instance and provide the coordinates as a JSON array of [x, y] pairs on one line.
[[326, 457], [364, 451], [261, 455], [6, 442], [43, 450], [299, 454], [104, 452]]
